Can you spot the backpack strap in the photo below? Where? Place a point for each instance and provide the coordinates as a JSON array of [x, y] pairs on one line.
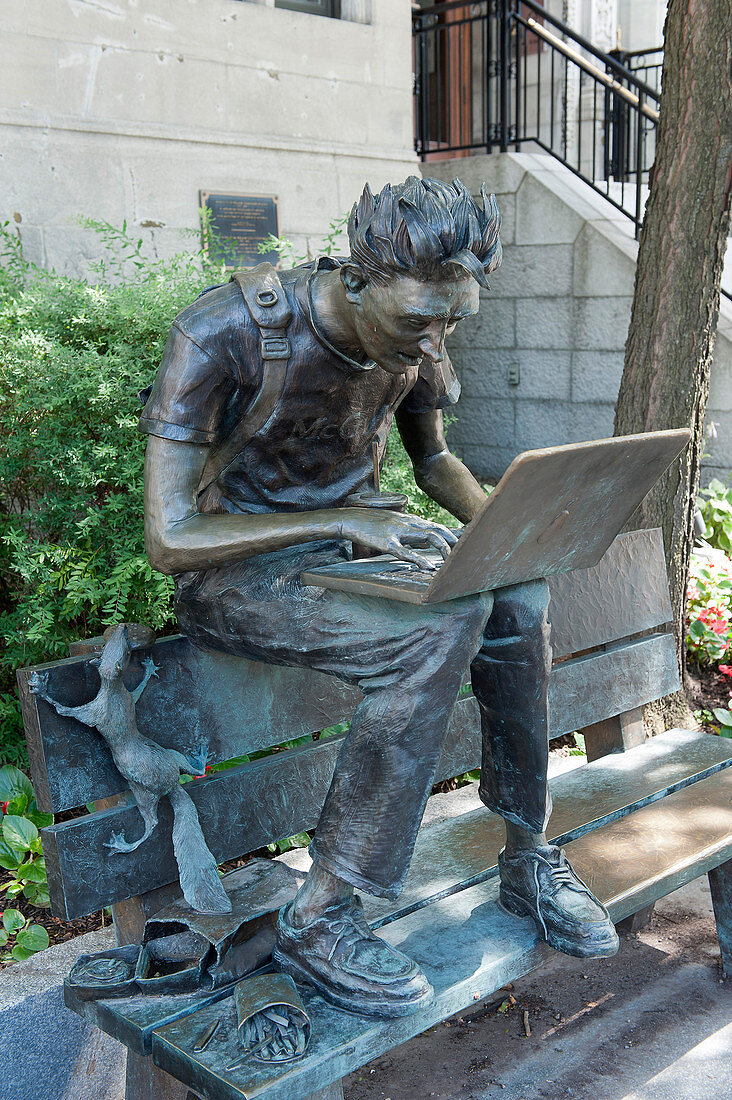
[[266, 301]]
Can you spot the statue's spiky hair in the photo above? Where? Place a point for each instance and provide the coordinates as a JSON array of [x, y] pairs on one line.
[[422, 227]]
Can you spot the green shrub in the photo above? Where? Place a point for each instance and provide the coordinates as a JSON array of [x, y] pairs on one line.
[[73, 355], [715, 505], [21, 854]]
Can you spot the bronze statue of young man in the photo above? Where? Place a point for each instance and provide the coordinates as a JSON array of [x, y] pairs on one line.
[[270, 396]]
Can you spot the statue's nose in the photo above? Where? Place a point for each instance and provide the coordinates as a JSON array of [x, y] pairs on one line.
[[432, 344]]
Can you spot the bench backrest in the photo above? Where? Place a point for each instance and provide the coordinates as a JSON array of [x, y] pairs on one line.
[[612, 653]]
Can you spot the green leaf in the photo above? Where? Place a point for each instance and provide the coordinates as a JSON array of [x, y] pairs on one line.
[[3, 937], [13, 782], [14, 889], [38, 896], [40, 820], [722, 715], [13, 920], [21, 953], [33, 872], [19, 833], [9, 859], [17, 805], [33, 938]]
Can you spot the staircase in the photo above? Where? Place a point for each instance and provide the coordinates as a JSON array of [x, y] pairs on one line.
[[541, 363]]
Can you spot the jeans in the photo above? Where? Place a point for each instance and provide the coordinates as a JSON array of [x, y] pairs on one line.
[[409, 661]]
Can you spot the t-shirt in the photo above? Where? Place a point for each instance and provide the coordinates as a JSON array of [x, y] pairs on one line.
[[316, 447]]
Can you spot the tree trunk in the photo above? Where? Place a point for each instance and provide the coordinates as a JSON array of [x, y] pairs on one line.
[[668, 353]]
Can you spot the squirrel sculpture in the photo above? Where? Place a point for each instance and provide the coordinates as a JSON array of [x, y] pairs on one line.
[[152, 771]]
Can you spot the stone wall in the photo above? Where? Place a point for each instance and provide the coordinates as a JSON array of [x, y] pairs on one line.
[[542, 361], [121, 109]]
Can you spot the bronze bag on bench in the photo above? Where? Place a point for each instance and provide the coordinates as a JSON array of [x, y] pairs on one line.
[[184, 951]]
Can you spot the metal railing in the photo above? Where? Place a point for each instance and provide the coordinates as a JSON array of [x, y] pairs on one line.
[[499, 74], [647, 65]]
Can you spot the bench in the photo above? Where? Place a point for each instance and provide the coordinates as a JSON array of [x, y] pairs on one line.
[[639, 820]]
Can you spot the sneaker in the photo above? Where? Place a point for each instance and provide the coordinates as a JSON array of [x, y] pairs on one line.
[[539, 883], [339, 955]]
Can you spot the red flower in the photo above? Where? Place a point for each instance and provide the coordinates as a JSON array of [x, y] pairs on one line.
[[4, 807], [726, 670]]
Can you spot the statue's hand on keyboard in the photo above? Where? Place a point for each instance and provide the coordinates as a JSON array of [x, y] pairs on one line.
[[397, 534]]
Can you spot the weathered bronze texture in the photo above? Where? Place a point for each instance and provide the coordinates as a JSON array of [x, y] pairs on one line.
[[554, 510], [374, 498], [185, 950], [282, 795], [271, 1016], [630, 862], [244, 706], [107, 974], [462, 851], [152, 772]]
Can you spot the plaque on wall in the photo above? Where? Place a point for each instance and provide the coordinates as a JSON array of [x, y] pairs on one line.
[[239, 224]]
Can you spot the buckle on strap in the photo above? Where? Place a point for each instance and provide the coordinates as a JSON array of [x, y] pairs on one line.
[[275, 347]]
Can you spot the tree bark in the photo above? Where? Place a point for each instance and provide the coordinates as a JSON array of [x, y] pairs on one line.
[[668, 353]]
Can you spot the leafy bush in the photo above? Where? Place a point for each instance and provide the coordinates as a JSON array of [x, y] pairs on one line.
[[709, 609], [20, 844], [73, 356], [19, 936], [715, 505]]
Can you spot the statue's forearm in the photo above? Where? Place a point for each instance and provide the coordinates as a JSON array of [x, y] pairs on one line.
[[178, 537], [449, 482], [206, 541]]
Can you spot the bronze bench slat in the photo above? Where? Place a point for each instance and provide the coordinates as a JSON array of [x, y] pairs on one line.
[[253, 804], [463, 850], [469, 947], [240, 706]]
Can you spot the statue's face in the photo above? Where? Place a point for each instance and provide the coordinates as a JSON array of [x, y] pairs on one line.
[[401, 322]]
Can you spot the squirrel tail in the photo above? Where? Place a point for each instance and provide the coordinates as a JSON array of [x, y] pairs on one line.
[[199, 876]]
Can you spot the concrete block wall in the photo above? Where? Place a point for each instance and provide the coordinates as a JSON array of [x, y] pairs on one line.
[[556, 317], [124, 110]]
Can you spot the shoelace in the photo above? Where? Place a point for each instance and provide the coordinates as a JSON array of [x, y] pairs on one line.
[[562, 875], [346, 929]]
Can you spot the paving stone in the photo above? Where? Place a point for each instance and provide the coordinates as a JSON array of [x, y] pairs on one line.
[[46, 1051]]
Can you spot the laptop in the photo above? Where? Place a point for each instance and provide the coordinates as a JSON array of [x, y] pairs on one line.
[[553, 510]]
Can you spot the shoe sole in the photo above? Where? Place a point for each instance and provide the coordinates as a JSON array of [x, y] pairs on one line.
[[602, 949], [351, 1002]]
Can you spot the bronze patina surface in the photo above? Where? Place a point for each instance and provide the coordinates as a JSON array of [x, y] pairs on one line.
[[270, 411]]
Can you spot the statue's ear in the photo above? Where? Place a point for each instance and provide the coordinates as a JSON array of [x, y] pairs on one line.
[[354, 279]]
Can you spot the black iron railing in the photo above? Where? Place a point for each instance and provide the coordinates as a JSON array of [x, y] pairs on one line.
[[647, 65], [500, 74]]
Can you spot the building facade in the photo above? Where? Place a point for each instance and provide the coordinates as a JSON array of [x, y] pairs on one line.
[[124, 110]]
